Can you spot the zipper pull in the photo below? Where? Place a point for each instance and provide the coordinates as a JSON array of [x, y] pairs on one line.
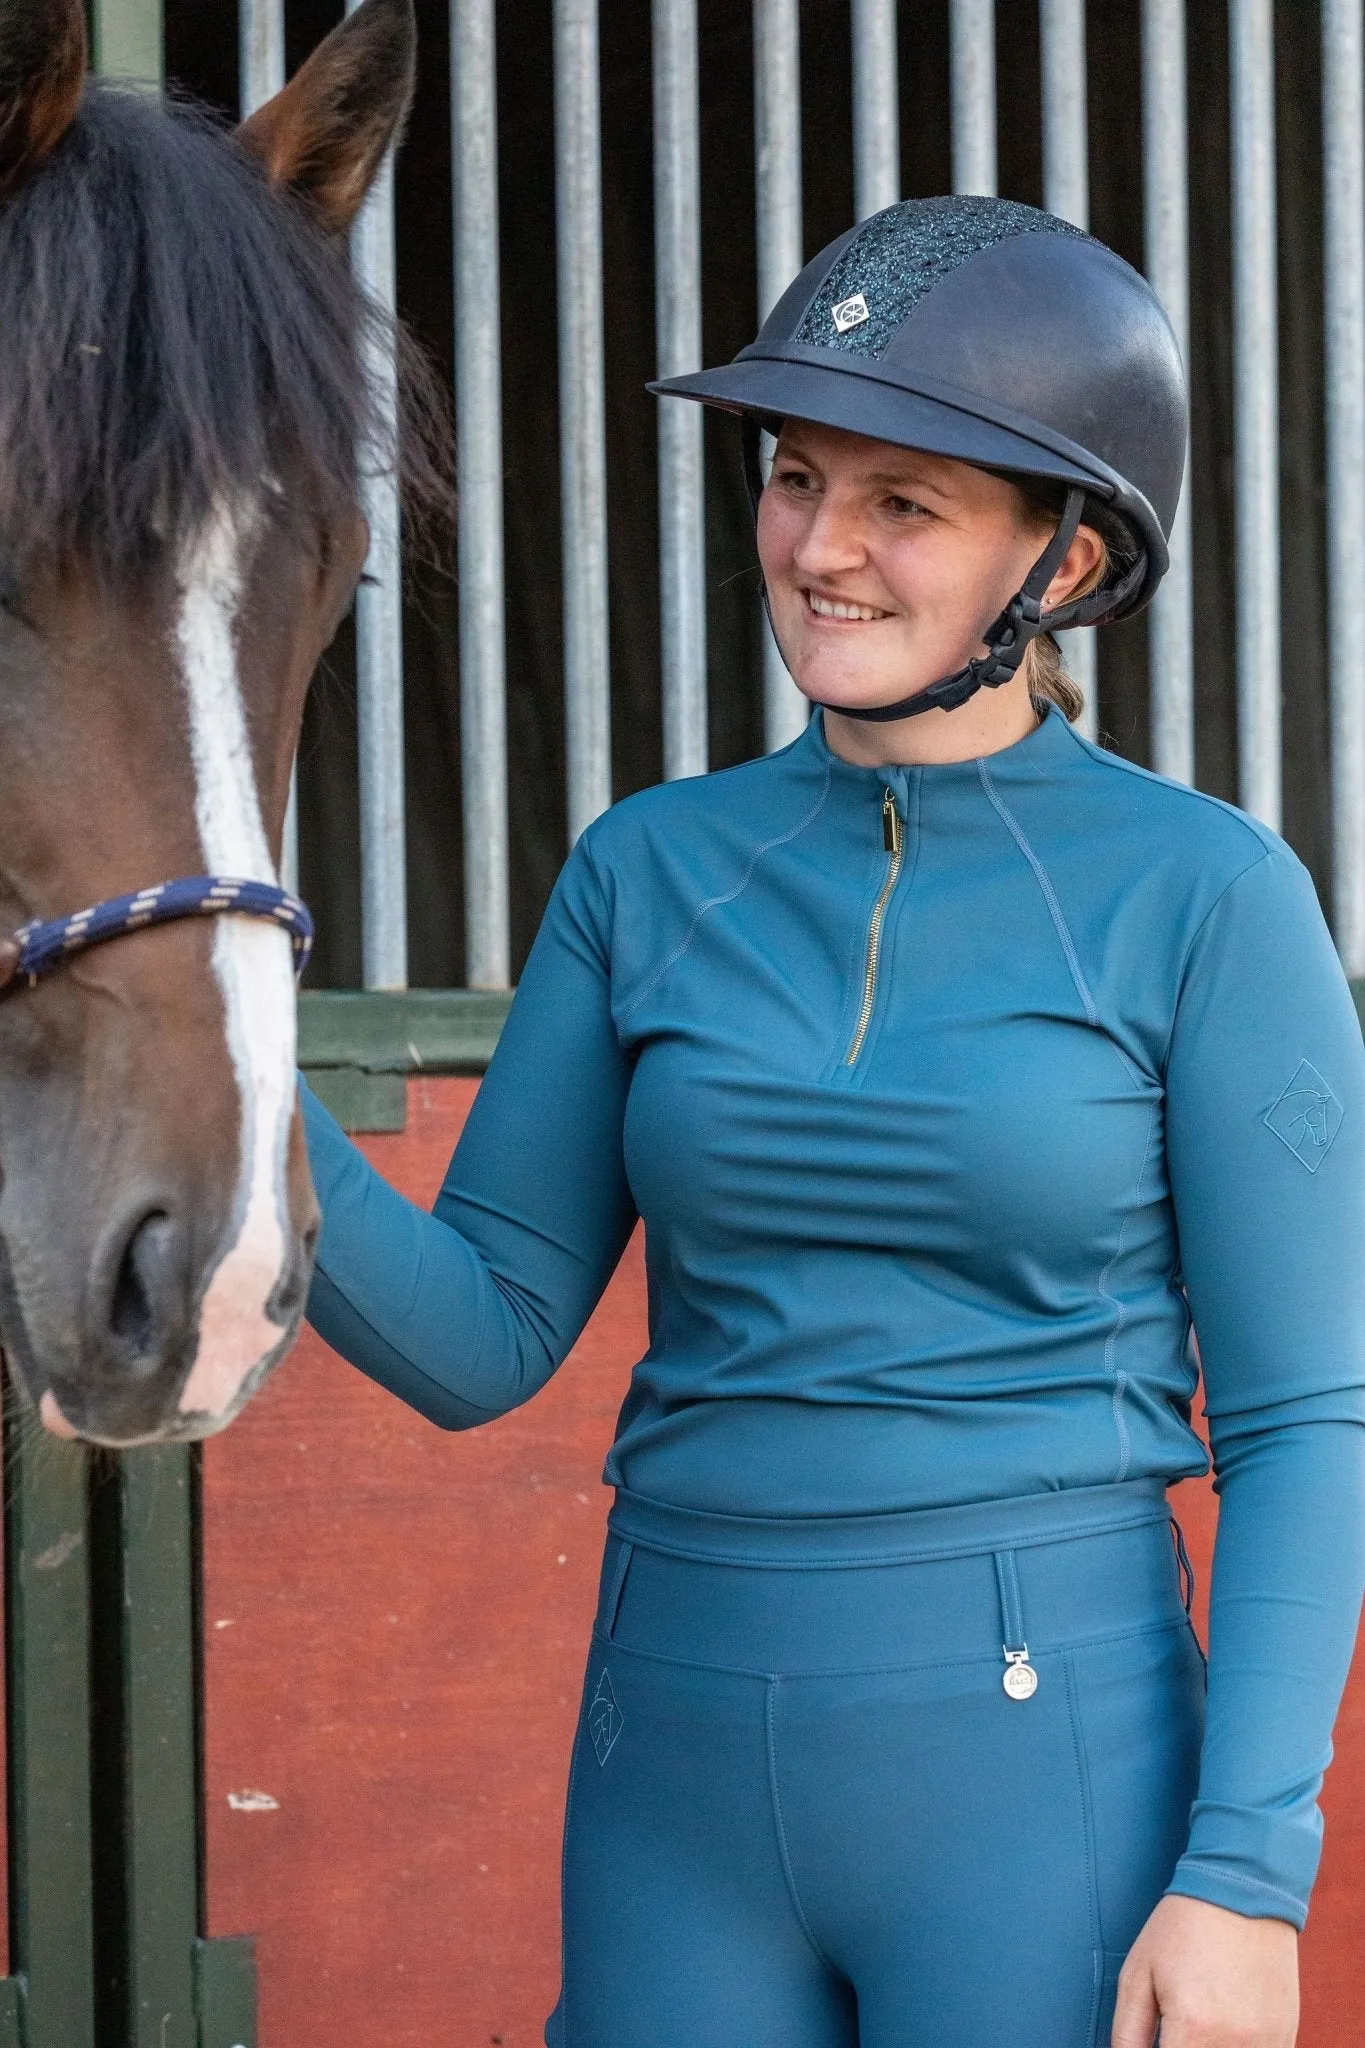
[[891, 824]]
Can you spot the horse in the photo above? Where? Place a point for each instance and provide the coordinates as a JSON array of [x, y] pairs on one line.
[[184, 418]]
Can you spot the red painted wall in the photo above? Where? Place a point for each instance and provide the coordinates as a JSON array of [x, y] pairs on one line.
[[396, 1621]]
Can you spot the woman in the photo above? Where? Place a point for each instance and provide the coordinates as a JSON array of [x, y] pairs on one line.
[[952, 1063]]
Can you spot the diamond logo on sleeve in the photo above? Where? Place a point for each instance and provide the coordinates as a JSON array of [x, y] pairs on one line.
[[1307, 1116]]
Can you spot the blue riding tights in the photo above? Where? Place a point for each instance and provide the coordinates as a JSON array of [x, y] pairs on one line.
[[805, 1812]]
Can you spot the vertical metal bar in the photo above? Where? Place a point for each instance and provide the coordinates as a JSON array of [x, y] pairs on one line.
[[677, 303], [1343, 175], [379, 631], [478, 445], [260, 52], [1066, 192], [876, 107], [1066, 154], [1165, 155], [971, 45], [781, 240], [260, 65], [1256, 409], [127, 40], [582, 410]]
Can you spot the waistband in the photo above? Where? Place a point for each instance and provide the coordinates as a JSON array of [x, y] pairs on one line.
[[956, 1530]]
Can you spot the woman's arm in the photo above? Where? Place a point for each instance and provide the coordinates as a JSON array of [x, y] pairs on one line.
[[465, 1312], [1265, 1133]]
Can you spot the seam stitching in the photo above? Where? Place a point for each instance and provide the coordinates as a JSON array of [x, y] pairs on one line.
[[1092, 1015], [716, 902], [564, 1859], [1119, 1308], [1088, 1830], [988, 1660], [783, 1855]]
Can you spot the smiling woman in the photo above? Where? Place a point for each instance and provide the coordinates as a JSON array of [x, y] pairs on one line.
[[943, 1054], [885, 567]]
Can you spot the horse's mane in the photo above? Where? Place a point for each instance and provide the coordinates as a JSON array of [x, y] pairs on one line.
[[172, 331]]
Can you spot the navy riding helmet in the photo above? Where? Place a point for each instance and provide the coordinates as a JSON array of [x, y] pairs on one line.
[[1004, 336]]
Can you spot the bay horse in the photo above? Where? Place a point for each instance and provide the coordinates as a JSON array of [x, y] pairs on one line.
[[183, 412]]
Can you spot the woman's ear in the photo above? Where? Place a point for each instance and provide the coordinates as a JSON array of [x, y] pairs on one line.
[[326, 134], [1085, 555], [43, 60]]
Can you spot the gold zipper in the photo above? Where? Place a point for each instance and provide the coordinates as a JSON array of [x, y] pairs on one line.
[[893, 841]]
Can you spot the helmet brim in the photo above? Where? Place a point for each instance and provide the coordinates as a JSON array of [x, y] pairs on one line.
[[863, 403]]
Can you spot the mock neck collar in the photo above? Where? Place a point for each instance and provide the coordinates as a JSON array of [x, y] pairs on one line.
[[1050, 742]]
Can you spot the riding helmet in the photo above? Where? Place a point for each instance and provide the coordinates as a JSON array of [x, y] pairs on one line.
[[1004, 336]]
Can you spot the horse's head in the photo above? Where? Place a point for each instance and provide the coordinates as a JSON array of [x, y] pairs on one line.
[[182, 397]]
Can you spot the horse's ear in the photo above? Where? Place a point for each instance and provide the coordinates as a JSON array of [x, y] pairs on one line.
[[325, 135], [42, 72]]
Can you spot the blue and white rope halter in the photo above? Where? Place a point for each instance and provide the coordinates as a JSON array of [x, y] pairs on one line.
[[40, 947]]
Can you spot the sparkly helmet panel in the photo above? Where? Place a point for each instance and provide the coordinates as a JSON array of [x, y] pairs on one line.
[[899, 256]]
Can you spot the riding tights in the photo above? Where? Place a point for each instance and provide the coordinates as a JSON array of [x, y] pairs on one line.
[[806, 1812]]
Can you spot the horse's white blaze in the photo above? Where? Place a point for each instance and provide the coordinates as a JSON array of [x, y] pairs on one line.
[[253, 964]]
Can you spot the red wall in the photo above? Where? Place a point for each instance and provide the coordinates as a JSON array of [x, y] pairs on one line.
[[395, 1623]]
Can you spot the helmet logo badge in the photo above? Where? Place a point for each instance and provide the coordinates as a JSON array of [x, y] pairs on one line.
[[850, 312]]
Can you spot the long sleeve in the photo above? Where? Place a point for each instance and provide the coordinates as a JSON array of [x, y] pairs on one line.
[[466, 1311], [1265, 1112]]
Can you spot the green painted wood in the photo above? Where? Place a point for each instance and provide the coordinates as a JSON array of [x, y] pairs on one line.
[[126, 37], [361, 1101], [11, 2013], [47, 1606], [225, 1991], [427, 1030], [159, 1744]]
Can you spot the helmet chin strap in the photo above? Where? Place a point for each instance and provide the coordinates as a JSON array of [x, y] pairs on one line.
[[1022, 620]]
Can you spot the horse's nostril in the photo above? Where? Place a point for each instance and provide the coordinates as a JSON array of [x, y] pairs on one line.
[[139, 1285]]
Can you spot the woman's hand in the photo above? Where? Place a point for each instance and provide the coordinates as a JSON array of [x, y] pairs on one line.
[[1215, 1979]]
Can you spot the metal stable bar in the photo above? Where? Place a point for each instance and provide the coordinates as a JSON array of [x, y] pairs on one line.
[[1165, 155], [677, 312], [260, 66], [876, 107], [971, 45], [1256, 409], [379, 631], [781, 241], [1066, 192], [260, 52], [478, 448], [126, 40], [1343, 176], [582, 410]]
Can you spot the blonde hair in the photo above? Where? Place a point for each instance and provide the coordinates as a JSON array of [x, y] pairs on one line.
[[1043, 666]]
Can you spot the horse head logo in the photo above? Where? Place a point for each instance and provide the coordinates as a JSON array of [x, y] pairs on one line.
[[1306, 1117]]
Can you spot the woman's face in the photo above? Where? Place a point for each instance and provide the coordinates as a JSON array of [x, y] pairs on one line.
[[885, 565]]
